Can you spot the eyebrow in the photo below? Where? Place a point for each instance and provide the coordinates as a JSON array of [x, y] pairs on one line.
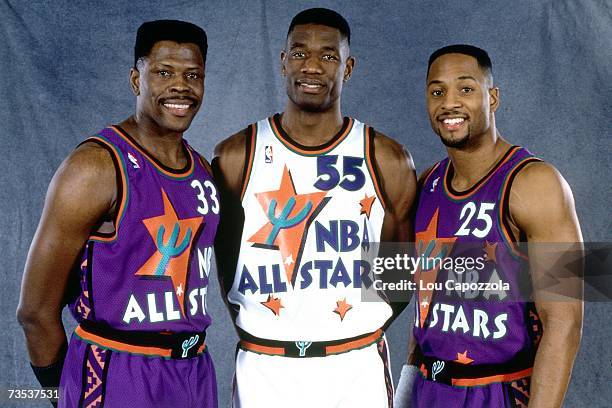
[[187, 68], [329, 48], [463, 77], [324, 48]]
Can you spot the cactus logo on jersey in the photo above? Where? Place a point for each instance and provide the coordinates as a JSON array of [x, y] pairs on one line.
[[288, 216], [173, 238]]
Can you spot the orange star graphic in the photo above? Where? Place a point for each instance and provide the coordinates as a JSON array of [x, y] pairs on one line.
[[489, 250], [423, 370], [430, 246], [462, 358], [173, 239], [288, 214], [342, 308], [274, 304], [366, 205]]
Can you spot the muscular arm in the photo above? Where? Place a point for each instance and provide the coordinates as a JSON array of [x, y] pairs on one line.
[[397, 178], [542, 206], [81, 193], [228, 168], [399, 187], [411, 340], [403, 392]]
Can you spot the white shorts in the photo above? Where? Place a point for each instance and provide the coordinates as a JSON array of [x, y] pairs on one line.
[[355, 379]]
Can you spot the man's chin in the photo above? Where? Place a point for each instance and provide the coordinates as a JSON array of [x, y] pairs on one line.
[[176, 126], [455, 143], [312, 104]]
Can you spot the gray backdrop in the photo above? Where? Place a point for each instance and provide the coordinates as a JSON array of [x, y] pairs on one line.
[[64, 75]]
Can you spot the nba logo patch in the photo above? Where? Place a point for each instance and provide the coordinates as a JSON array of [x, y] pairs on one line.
[[133, 160], [268, 154]]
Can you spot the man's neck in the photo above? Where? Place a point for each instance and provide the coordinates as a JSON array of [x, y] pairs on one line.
[[311, 128], [167, 147], [474, 162]]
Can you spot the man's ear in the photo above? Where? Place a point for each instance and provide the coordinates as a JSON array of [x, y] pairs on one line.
[[348, 68], [135, 81], [493, 99], [283, 55]]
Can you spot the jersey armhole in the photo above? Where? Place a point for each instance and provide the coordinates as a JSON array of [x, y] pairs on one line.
[[248, 157], [369, 155], [429, 173], [512, 242], [122, 187]]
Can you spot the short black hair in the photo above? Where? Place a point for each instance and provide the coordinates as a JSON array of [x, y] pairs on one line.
[[481, 56], [322, 16], [180, 32]]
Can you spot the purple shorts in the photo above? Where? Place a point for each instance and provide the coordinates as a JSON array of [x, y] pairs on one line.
[[98, 377], [431, 394]]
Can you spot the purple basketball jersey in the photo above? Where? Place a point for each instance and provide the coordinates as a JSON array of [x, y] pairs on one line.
[[487, 322], [151, 274]]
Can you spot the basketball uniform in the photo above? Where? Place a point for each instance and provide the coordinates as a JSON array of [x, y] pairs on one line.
[[307, 338], [142, 302], [475, 344]]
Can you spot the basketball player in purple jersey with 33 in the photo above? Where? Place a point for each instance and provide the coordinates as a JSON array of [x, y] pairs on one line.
[[133, 211], [486, 349]]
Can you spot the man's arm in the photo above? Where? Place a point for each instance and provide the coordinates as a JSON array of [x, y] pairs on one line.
[[542, 206], [398, 184], [403, 393], [399, 188], [411, 340], [228, 168], [81, 193]]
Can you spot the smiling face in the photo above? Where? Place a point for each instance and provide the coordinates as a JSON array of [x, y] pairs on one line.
[[460, 100], [315, 63], [169, 84]]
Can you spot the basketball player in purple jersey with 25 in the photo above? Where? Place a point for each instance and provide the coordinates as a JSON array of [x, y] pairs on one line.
[[478, 348], [133, 211]]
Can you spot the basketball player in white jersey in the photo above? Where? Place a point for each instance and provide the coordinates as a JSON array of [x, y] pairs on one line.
[[303, 192]]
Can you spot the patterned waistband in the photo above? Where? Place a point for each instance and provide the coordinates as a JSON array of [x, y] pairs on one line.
[[465, 375], [301, 349], [168, 345]]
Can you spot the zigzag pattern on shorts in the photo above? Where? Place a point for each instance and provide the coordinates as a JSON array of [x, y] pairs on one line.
[[519, 392], [95, 376]]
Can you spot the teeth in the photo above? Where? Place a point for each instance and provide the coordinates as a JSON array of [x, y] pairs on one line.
[[454, 121], [176, 106]]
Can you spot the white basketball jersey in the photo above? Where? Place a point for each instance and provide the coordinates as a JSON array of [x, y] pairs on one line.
[[308, 214]]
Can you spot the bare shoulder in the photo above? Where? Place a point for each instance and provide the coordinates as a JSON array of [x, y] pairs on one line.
[[387, 148], [233, 146], [540, 181], [89, 162], [82, 191], [541, 201], [397, 173], [229, 161], [392, 159]]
